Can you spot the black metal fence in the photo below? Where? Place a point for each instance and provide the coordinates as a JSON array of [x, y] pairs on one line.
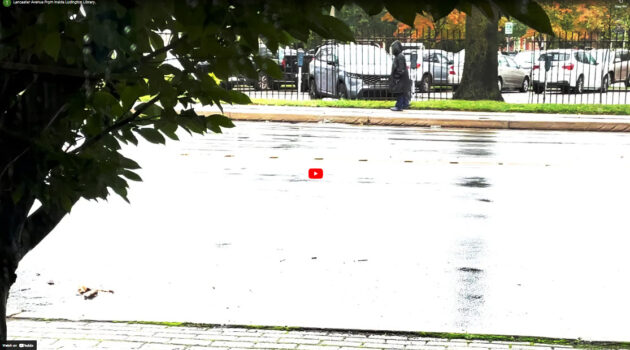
[[571, 68]]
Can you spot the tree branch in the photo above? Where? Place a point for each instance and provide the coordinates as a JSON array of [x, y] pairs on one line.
[[37, 226], [116, 126]]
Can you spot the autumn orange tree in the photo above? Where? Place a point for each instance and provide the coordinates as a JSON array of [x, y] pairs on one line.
[[574, 20], [425, 26]]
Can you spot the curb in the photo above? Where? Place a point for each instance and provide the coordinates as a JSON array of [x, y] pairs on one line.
[[600, 126]]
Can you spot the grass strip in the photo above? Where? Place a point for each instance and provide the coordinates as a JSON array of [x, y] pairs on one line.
[[459, 105]]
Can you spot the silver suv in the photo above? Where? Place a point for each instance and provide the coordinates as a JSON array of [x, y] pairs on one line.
[[350, 71]]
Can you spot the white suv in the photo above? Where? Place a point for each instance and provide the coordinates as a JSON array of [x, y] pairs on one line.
[[569, 70]]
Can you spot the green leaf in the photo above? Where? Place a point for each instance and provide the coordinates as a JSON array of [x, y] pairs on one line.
[[220, 120], [152, 135], [129, 95], [129, 136], [52, 44], [131, 175], [157, 43], [336, 29], [107, 104], [168, 96], [128, 163], [239, 98]]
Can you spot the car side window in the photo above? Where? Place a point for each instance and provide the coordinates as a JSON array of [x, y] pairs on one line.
[[511, 62], [502, 62]]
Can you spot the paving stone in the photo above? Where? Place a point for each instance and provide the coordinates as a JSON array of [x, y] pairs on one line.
[[381, 346], [150, 339], [120, 345], [341, 343], [299, 341], [275, 346], [76, 343], [197, 342], [316, 347], [164, 347], [233, 344]]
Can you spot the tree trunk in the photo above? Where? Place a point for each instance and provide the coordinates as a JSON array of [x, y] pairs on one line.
[[7, 278], [4, 297], [480, 77]]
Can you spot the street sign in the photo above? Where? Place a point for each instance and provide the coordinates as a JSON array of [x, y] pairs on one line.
[[300, 58], [509, 26]]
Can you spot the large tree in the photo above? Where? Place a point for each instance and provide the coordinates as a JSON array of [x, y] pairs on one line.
[[71, 79], [480, 74]]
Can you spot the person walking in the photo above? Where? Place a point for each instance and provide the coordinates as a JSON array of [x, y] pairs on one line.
[[400, 83]]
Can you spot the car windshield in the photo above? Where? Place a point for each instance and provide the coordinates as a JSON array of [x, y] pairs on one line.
[[511, 62], [585, 58], [555, 56], [364, 54]]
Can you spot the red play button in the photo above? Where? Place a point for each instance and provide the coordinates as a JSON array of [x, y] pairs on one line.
[[315, 173]]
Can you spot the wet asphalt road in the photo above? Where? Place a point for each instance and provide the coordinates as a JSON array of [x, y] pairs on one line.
[[481, 231]]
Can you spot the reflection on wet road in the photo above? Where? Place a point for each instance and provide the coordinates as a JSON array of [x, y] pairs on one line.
[[482, 231]]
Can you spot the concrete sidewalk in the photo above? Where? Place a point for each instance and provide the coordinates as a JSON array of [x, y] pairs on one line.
[[425, 118], [113, 335]]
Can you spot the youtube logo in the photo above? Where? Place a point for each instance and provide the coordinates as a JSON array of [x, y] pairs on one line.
[[315, 173]]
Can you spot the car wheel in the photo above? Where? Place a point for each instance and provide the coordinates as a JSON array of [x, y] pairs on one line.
[[312, 89], [579, 85], [525, 85], [425, 83], [342, 92], [263, 82], [605, 83], [539, 88], [500, 84]]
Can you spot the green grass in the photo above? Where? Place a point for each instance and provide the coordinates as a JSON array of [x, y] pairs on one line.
[[458, 105]]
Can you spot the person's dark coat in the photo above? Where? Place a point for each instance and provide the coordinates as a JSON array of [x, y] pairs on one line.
[[399, 80]]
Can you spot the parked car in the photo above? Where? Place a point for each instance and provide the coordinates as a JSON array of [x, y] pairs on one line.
[[570, 70], [264, 81], [525, 59], [603, 57], [619, 70], [432, 68], [456, 69], [289, 65], [511, 75], [349, 71]]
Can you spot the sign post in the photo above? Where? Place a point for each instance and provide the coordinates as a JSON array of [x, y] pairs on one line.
[[300, 63], [509, 27]]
